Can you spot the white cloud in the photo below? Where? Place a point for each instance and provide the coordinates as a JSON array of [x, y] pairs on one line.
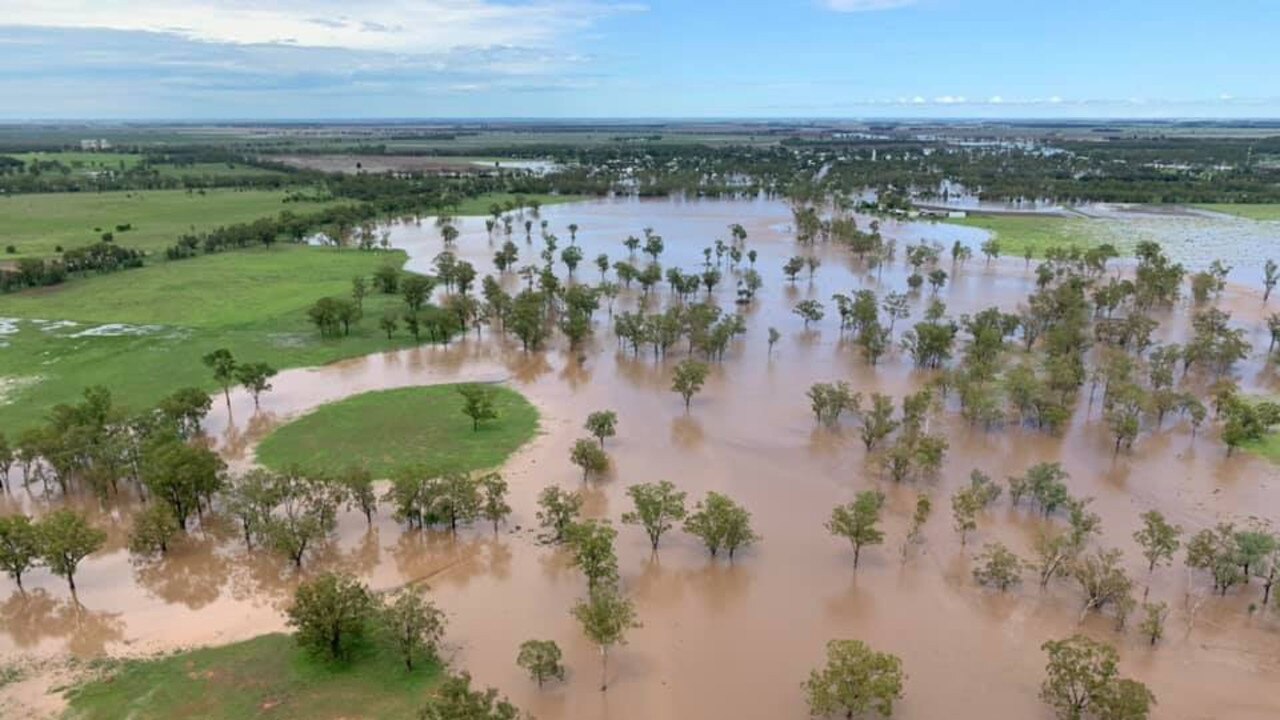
[[850, 6], [401, 26]]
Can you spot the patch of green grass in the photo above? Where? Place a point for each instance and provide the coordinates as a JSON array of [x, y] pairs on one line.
[[37, 224], [1017, 233], [220, 290], [391, 429], [266, 677], [1268, 447], [480, 205], [251, 302], [1249, 211]]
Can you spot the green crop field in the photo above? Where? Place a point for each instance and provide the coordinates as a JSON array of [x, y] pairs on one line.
[[38, 224], [384, 431]]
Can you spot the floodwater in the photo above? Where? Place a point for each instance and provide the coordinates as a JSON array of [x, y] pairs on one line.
[[720, 639]]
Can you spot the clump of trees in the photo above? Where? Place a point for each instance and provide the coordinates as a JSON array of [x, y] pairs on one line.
[[333, 614], [58, 541], [450, 499], [1083, 681], [721, 524]]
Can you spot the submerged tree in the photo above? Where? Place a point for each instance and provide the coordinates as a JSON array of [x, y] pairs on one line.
[[558, 509], [721, 524], [153, 529], [588, 456], [856, 680], [658, 507], [858, 522], [591, 551], [1158, 538], [66, 538], [493, 498], [19, 546], [689, 376], [256, 378], [606, 616], [541, 659], [1083, 677], [998, 567], [1152, 625], [602, 424]]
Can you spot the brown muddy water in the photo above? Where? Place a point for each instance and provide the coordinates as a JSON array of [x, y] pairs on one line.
[[720, 639]]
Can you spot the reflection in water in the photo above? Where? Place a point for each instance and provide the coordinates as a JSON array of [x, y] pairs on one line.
[[193, 573], [686, 432], [31, 618], [750, 434]]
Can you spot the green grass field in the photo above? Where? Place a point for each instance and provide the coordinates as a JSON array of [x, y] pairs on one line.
[[266, 677], [1017, 233], [252, 302], [480, 205], [37, 224], [392, 429], [1261, 211]]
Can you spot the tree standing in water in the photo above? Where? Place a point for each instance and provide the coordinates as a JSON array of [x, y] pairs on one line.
[[606, 616], [66, 538], [602, 424], [658, 506], [856, 680], [688, 379], [857, 522]]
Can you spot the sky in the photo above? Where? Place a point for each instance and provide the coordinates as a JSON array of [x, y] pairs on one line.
[[376, 59]]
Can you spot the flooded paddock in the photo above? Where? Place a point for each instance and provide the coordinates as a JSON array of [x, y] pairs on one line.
[[723, 639]]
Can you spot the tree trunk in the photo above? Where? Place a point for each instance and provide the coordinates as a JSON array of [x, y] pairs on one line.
[[604, 668]]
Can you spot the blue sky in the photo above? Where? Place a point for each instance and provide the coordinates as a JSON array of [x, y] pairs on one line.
[[225, 59]]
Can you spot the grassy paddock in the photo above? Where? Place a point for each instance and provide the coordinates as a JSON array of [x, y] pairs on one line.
[[266, 677], [1249, 211], [1039, 233], [391, 429], [480, 205], [220, 290], [37, 224], [252, 302]]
